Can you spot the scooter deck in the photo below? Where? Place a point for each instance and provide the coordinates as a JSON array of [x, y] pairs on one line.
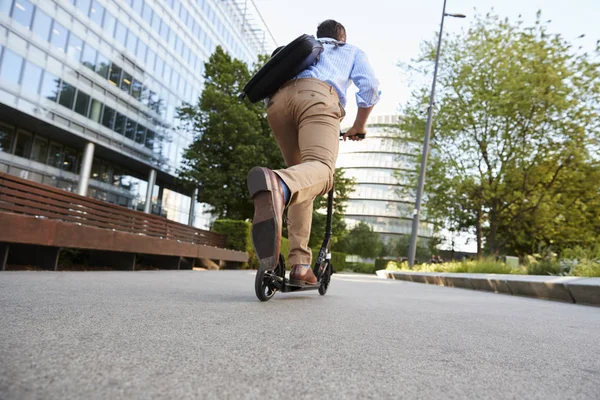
[[291, 287]]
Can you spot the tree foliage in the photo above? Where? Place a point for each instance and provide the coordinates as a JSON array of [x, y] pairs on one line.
[[362, 241], [231, 137], [515, 137]]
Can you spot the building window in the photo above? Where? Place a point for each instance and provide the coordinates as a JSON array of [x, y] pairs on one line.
[[42, 24], [126, 82], [156, 20], [130, 129], [147, 15], [32, 76], [67, 95], [109, 24], [150, 59], [160, 64], [84, 6], [137, 6], [115, 75], [58, 37], [120, 121], [164, 31], [11, 67], [108, 117], [141, 51], [7, 138], [95, 110], [75, 47], [96, 13], [136, 89], [55, 155], [82, 103], [39, 151], [23, 145], [23, 12], [70, 160], [50, 84], [140, 134], [88, 57], [149, 143], [102, 66], [131, 42], [120, 33]]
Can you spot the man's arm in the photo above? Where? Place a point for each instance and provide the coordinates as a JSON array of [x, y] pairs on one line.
[[363, 76], [360, 123]]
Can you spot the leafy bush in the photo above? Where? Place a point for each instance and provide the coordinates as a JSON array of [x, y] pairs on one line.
[[363, 268], [338, 259], [237, 232], [485, 266], [381, 263]]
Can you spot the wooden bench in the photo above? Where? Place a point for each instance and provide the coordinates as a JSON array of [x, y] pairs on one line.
[[37, 221]]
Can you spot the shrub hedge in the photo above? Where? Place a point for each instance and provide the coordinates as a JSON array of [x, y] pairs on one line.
[[238, 238]]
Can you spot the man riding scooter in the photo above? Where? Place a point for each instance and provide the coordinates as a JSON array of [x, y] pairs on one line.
[[305, 115]]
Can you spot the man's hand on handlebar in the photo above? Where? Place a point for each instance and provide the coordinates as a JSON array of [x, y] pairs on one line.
[[354, 134]]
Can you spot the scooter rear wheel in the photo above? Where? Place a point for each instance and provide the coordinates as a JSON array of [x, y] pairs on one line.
[[325, 279], [264, 282]]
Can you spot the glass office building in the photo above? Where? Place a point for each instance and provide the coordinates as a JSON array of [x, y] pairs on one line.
[[382, 166], [89, 91]]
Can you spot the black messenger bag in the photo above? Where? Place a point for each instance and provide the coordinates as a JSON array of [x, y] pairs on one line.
[[283, 66]]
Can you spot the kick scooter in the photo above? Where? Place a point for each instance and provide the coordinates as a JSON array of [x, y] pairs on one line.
[[269, 282]]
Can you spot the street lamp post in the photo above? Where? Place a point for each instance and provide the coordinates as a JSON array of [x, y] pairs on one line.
[[417, 212]]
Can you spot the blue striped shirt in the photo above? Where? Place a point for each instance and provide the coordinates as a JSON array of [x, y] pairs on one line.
[[340, 65]]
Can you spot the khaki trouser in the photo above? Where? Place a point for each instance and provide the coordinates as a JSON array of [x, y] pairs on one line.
[[305, 117]]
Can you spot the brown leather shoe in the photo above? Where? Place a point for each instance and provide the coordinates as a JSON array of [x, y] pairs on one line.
[[264, 187], [300, 275]]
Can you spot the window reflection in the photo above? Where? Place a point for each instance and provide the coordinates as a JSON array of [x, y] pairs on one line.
[[82, 103], [67, 95], [39, 150], [120, 121], [130, 129], [11, 67], [83, 5], [75, 47], [50, 85], [7, 138], [102, 66], [23, 12], [42, 24], [23, 145], [108, 117], [58, 36], [96, 12], [88, 57], [32, 77], [95, 110]]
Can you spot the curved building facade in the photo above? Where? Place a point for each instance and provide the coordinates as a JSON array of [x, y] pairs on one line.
[[89, 91], [382, 167]]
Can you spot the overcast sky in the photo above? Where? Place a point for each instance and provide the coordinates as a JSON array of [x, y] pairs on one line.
[[390, 31]]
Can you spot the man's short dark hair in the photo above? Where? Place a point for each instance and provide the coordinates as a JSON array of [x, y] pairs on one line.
[[331, 29]]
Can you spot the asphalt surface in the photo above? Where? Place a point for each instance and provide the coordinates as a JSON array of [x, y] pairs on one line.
[[203, 334]]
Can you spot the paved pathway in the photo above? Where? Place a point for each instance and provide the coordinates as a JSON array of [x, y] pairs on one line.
[[191, 334]]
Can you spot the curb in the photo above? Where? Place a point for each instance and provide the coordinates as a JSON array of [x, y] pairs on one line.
[[568, 289]]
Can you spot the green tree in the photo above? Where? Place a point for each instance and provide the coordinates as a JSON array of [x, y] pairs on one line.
[[362, 241], [515, 136], [343, 188], [232, 136]]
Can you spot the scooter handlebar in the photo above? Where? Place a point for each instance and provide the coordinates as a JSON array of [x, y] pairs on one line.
[[358, 135]]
